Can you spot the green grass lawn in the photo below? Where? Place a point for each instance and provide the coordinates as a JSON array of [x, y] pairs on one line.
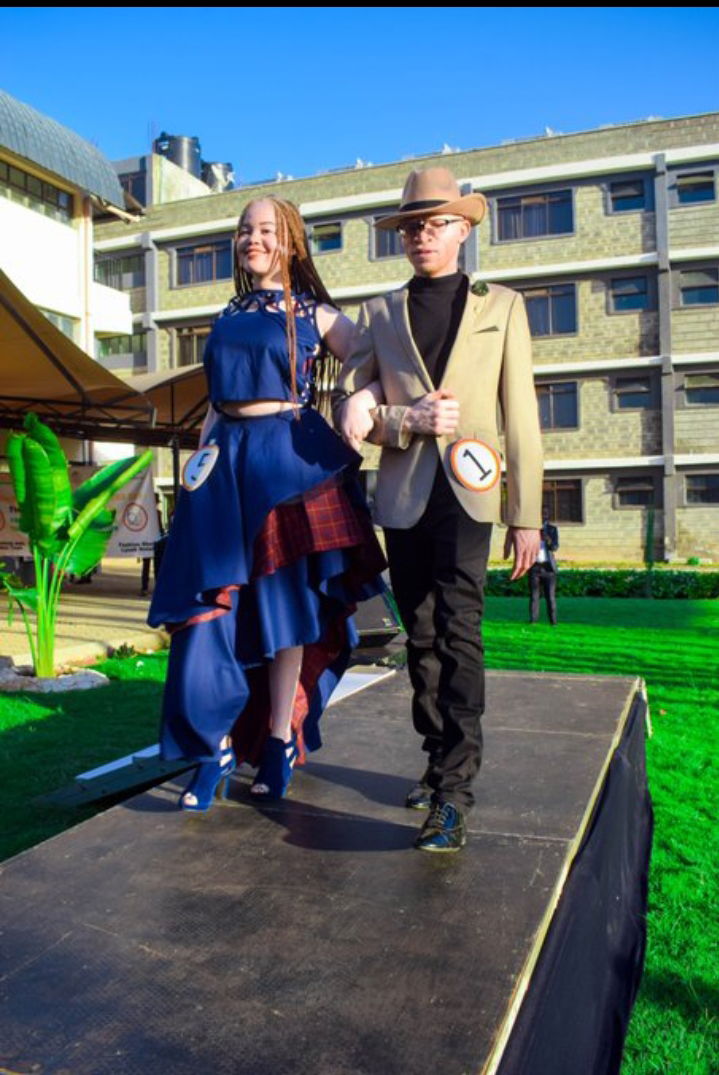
[[672, 644]]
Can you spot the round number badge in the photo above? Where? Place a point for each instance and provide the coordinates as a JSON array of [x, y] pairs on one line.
[[474, 464], [199, 467]]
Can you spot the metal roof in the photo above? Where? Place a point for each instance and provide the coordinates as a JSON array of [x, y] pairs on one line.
[[42, 140]]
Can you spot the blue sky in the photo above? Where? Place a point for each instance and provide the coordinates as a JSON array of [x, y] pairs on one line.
[[302, 90]]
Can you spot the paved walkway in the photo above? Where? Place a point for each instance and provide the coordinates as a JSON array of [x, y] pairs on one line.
[[93, 619]]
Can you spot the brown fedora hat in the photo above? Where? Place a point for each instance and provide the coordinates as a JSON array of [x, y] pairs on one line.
[[429, 191]]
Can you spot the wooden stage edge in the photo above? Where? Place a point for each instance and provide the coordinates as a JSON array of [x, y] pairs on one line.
[[492, 1065]]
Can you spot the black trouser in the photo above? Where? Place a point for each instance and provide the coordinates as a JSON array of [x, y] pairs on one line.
[[542, 575], [437, 570]]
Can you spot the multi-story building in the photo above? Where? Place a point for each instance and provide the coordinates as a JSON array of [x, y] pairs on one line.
[[613, 237], [53, 186]]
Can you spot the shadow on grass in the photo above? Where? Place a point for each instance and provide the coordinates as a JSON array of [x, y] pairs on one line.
[[690, 997]]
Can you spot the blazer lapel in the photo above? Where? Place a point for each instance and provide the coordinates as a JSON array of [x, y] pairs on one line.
[[470, 323], [400, 320]]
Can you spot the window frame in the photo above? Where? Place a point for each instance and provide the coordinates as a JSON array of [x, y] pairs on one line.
[[686, 502], [630, 177], [654, 393], [581, 482], [124, 359], [577, 396], [638, 479], [325, 223], [524, 288], [51, 200], [107, 259], [372, 238], [677, 289], [198, 245], [676, 173], [651, 293], [192, 329], [533, 193], [683, 403]]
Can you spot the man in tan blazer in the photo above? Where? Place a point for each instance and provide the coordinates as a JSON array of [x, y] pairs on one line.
[[447, 358]]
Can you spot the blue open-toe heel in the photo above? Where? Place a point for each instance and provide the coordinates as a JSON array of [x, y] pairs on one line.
[[209, 783], [275, 771]]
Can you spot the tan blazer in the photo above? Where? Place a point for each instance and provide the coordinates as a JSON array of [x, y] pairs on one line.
[[490, 364]]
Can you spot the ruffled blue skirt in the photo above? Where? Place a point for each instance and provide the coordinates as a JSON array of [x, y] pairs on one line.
[[231, 608]]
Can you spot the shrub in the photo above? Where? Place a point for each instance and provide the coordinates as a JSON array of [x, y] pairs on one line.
[[591, 582]]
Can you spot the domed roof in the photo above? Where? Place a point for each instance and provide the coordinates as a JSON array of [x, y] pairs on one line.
[[57, 149]]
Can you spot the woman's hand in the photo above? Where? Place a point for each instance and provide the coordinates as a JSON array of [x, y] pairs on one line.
[[356, 421]]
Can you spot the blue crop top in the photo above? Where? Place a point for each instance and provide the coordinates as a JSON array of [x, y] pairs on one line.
[[246, 352]]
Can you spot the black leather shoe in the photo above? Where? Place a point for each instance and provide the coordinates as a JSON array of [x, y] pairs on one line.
[[443, 830]]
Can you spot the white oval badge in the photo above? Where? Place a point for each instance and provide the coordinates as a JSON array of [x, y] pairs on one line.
[[199, 466], [474, 464]]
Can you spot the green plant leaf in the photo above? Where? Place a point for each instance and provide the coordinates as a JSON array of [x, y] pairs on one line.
[[24, 596], [45, 437], [122, 474], [89, 550], [40, 500], [99, 482], [18, 476]]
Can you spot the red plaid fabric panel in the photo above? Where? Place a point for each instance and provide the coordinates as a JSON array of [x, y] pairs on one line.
[[253, 726], [323, 519]]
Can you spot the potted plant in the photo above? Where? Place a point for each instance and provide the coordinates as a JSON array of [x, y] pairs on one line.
[[68, 530]]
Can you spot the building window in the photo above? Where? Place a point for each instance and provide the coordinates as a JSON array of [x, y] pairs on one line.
[[529, 216], [702, 389], [108, 346], [628, 195], [693, 187], [558, 405], [123, 273], [135, 183], [552, 310], [191, 344], [67, 325], [563, 499], [634, 492], [702, 488], [699, 287], [325, 238], [634, 393], [33, 193], [204, 264], [628, 294], [385, 243]]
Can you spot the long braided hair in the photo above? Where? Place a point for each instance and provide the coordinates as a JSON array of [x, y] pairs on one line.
[[298, 275]]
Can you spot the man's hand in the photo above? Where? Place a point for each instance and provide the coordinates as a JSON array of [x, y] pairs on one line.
[[437, 414], [526, 549]]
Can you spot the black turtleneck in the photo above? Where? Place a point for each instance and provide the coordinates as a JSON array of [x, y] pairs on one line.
[[436, 305]]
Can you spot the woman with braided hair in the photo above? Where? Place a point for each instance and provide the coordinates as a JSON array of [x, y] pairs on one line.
[[271, 545]]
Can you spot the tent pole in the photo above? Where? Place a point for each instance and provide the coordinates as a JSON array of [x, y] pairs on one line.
[[175, 445]]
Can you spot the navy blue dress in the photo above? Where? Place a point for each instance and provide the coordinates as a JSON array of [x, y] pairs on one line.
[[272, 548]]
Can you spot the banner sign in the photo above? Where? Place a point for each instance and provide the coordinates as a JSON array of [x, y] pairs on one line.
[[12, 541], [136, 518]]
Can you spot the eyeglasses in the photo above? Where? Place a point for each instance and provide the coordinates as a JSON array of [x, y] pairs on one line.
[[434, 227]]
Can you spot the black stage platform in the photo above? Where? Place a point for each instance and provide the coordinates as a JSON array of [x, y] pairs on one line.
[[308, 936]]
